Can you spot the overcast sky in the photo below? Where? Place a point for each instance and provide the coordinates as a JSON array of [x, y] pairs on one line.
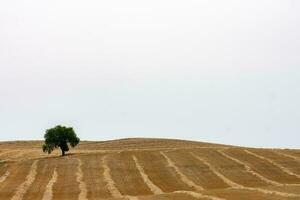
[[206, 70]]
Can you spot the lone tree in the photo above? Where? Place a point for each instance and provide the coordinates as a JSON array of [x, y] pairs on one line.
[[59, 137]]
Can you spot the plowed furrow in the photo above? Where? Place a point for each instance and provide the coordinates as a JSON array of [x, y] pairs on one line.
[[263, 167], [126, 176], [286, 189], [284, 169], [238, 194], [66, 186], [181, 175], [155, 189], [17, 176], [48, 194], [79, 178], [289, 156], [109, 181], [231, 169], [248, 168], [295, 153], [171, 196], [22, 189], [288, 164], [156, 168], [7, 154], [199, 195], [4, 176], [197, 172], [111, 184], [241, 187], [45, 169], [221, 176], [189, 182], [93, 169]]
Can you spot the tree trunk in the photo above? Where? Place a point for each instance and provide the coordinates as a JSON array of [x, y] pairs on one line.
[[63, 153]]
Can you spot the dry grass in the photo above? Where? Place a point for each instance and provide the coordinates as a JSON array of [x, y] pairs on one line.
[[148, 169]]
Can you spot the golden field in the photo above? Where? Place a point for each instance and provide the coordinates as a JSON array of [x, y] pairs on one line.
[[148, 169]]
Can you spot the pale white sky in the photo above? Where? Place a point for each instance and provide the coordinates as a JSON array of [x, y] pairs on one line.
[[212, 70]]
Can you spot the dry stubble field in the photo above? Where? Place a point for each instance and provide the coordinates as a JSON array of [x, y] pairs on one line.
[[148, 169]]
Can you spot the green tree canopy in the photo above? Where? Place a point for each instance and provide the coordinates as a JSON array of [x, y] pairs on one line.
[[60, 137]]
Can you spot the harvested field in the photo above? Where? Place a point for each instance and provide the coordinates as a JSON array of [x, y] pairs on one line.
[[232, 169], [160, 173], [148, 169], [263, 166], [18, 172], [93, 177], [287, 163], [37, 188], [198, 172], [66, 186], [237, 194]]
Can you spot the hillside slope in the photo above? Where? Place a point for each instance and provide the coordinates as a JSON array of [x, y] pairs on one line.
[[148, 169]]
